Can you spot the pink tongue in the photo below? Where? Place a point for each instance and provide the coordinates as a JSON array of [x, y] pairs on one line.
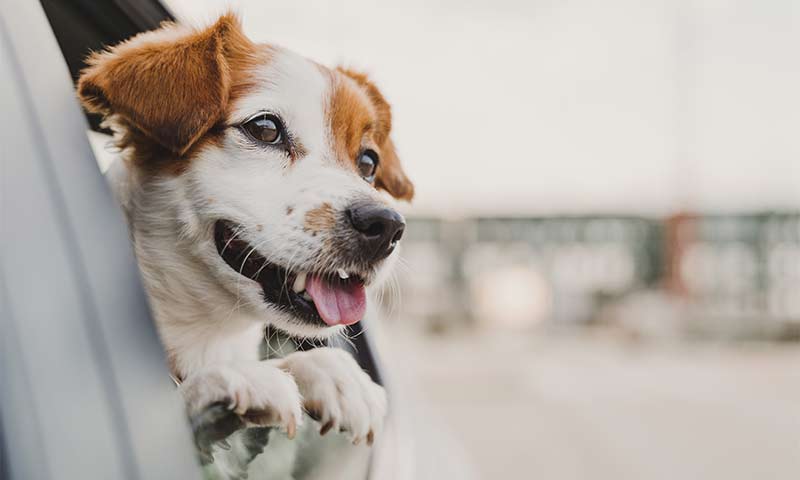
[[339, 304]]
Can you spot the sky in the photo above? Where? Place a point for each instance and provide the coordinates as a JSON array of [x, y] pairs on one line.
[[555, 107]]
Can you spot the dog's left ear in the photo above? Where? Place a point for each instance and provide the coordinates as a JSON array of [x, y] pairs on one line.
[[171, 84], [390, 175]]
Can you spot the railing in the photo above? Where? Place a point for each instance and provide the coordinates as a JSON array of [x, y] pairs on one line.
[[723, 265]]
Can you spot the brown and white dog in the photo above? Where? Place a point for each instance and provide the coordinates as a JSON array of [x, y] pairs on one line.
[[252, 193]]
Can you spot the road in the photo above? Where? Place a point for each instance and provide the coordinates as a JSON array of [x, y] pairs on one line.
[[523, 406]]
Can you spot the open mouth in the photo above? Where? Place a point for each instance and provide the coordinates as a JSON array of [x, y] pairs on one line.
[[324, 298]]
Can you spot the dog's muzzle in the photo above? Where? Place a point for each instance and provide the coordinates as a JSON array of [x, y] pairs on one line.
[[328, 289]]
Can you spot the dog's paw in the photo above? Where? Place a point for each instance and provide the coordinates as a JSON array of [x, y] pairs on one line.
[[338, 393], [258, 394]]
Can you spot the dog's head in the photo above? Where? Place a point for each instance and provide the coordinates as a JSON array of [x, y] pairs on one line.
[[277, 163]]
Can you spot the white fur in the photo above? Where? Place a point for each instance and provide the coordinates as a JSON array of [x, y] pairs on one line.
[[211, 319], [268, 394], [346, 395], [206, 312]]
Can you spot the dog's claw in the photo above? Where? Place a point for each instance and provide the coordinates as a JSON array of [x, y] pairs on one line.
[[223, 444], [370, 438], [291, 429], [326, 428], [239, 409], [314, 415]]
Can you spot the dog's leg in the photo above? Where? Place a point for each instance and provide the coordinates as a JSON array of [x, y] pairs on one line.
[[337, 393], [224, 398]]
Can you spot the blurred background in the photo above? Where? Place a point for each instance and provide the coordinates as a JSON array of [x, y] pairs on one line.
[[602, 269]]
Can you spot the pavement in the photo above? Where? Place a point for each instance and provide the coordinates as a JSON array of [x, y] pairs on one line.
[[517, 405]]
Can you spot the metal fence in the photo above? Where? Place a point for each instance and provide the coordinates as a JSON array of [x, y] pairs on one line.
[[723, 265]]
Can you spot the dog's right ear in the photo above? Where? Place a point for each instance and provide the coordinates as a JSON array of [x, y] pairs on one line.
[[171, 84]]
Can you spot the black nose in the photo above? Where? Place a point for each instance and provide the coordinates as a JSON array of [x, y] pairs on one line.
[[379, 228]]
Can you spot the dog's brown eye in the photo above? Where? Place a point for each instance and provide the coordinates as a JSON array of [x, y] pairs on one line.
[[367, 164], [266, 128]]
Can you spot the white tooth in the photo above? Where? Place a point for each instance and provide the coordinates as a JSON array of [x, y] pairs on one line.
[[342, 274], [299, 283], [306, 296]]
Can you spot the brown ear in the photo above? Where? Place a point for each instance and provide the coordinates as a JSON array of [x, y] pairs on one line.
[[390, 176], [171, 84]]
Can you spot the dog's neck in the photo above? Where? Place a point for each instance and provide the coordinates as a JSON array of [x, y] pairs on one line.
[[198, 320]]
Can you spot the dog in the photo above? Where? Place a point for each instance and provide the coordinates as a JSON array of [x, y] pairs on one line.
[[255, 187]]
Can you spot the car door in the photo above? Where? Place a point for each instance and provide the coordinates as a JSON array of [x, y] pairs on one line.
[[83, 386]]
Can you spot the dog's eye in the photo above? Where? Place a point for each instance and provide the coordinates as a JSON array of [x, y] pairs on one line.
[[367, 164], [266, 128]]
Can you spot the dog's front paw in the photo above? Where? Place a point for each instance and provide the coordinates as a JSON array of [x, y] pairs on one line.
[[257, 394], [338, 393]]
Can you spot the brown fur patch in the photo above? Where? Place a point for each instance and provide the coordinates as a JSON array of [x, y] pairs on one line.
[[320, 219], [352, 119], [360, 117], [171, 88], [391, 176]]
